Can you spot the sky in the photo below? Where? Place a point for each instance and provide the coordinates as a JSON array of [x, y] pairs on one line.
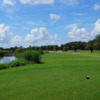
[[48, 22]]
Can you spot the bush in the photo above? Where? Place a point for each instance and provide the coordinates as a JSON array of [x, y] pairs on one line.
[[3, 66], [46, 51], [20, 49], [1, 53], [17, 63], [23, 59], [14, 63], [41, 51], [31, 56]]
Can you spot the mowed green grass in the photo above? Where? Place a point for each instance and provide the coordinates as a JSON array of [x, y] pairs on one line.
[[95, 53], [86, 52], [60, 77]]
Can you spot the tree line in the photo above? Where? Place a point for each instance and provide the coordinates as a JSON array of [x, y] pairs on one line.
[[77, 45]]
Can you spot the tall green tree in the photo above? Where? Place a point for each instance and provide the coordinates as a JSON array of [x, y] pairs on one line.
[[97, 42], [90, 45], [65, 48]]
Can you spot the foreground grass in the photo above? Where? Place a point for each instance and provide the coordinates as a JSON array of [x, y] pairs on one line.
[[61, 77]]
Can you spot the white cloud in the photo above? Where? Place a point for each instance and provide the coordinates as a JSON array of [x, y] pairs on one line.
[[5, 34], [96, 29], [71, 26], [79, 34], [9, 2], [41, 36], [37, 34], [70, 2], [54, 39], [36, 2], [16, 41], [54, 16], [37, 37], [96, 7]]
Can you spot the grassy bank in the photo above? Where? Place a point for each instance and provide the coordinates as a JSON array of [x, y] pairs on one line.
[[61, 77]]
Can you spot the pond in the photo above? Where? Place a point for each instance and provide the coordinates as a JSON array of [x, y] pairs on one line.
[[7, 59]]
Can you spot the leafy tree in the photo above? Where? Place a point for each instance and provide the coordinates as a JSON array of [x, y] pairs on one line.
[[91, 45], [55, 49], [65, 48], [47, 48], [20, 49], [1, 53], [97, 42], [75, 45]]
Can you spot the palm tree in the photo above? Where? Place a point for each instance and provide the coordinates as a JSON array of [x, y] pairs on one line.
[[95, 45], [87, 46], [74, 46], [90, 45], [97, 40], [65, 48]]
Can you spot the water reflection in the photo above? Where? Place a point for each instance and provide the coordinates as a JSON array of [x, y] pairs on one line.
[[7, 59]]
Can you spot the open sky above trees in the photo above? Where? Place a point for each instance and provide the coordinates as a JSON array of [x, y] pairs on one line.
[[48, 22]]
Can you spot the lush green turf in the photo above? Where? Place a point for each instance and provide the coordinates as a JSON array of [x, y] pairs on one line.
[[96, 53], [61, 77], [86, 52]]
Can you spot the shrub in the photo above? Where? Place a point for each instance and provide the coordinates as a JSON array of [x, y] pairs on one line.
[[41, 51], [31, 56], [20, 49], [22, 63], [17, 63], [14, 63], [3, 66], [23, 59], [46, 51], [1, 53]]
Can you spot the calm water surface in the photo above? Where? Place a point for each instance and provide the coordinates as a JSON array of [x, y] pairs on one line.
[[7, 59]]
